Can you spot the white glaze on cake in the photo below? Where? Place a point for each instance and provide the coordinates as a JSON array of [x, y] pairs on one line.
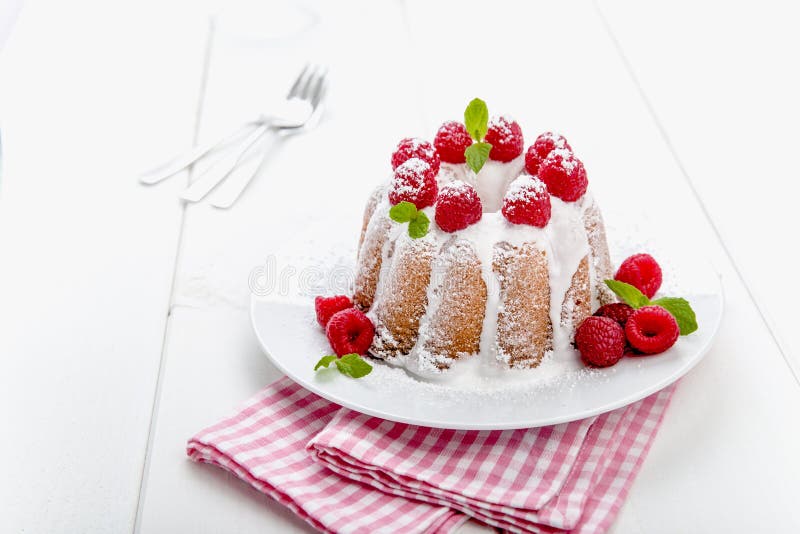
[[564, 241]]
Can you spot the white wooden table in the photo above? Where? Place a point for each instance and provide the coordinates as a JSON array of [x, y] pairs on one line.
[[123, 313]]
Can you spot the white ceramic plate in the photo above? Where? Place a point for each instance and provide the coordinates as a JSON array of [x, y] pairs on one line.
[[294, 342]]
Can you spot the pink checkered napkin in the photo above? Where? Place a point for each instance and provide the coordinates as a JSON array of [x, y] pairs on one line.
[[568, 477], [325, 463], [264, 444]]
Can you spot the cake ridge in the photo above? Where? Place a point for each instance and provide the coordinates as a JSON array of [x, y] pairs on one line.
[[564, 242], [498, 294]]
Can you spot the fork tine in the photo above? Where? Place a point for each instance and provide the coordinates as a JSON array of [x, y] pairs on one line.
[[305, 91], [299, 81], [320, 87], [315, 89], [309, 87]]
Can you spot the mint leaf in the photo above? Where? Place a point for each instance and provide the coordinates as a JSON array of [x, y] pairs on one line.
[[353, 366], [350, 364], [476, 119], [681, 310], [418, 222], [628, 294], [325, 361], [403, 212], [418, 227], [477, 154]]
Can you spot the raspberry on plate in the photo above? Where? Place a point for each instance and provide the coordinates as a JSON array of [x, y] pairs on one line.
[[327, 306], [642, 272], [413, 147], [541, 148], [619, 311], [350, 332], [651, 330], [564, 175], [451, 141], [505, 136], [527, 202], [600, 340], [414, 181], [457, 206]]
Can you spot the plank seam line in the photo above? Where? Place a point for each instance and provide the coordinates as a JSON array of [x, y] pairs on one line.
[[663, 132], [162, 360]]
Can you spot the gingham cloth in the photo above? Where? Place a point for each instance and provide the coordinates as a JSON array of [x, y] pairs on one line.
[[343, 471]]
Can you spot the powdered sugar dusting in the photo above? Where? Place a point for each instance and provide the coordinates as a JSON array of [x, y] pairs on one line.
[[455, 189], [502, 125], [418, 144], [471, 377], [493, 180], [525, 188], [413, 167], [552, 141], [565, 158], [564, 242]]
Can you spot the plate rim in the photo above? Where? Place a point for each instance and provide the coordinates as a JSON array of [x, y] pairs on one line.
[[536, 423]]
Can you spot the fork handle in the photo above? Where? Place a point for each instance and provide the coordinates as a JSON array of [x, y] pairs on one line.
[[230, 191], [222, 168], [176, 165]]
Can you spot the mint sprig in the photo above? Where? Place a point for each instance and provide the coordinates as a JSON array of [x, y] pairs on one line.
[[418, 222], [325, 361], [418, 226], [476, 119], [681, 310], [477, 154], [403, 212], [629, 294], [678, 307], [351, 365]]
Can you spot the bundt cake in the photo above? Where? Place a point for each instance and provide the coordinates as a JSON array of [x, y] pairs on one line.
[[476, 252]]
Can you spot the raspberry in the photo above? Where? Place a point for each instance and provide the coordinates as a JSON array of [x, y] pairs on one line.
[[451, 141], [415, 182], [412, 147], [327, 306], [564, 175], [538, 151], [458, 206], [505, 136], [600, 341], [652, 330], [619, 311], [350, 331], [527, 202], [642, 272]]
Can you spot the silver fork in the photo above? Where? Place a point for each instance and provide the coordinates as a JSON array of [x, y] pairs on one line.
[[301, 107], [311, 88], [174, 166]]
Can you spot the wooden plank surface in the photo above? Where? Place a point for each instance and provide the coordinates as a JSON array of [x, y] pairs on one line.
[[723, 84], [586, 94], [213, 363], [87, 254], [212, 360], [710, 456]]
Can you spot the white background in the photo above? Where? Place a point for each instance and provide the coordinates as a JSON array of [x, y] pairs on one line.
[[123, 318]]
